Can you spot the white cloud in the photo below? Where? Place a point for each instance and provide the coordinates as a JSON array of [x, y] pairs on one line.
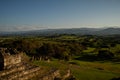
[[21, 28]]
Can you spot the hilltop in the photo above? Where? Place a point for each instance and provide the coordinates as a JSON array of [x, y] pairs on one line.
[[76, 31]]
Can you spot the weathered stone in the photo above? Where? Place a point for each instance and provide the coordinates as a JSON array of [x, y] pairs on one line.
[[14, 68], [7, 59]]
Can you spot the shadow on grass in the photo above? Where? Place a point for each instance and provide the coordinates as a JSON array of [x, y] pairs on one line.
[[92, 58], [115, 78]]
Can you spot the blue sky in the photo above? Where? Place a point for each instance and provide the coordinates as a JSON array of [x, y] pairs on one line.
[[22, 15]]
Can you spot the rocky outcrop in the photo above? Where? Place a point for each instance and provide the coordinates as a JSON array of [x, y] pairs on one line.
[[51, 75], [22, 71], [9, 57], [14, 68]]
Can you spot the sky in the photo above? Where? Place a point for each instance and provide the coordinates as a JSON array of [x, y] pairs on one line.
[[23, 15]]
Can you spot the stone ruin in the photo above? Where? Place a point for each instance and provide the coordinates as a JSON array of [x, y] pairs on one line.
[[12, 67], [9, 57]]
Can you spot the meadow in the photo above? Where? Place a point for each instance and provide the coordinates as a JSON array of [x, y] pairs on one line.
[[88, 57], [84, 70]]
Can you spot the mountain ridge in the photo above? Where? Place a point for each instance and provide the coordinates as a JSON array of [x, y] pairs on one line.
[[78, 31]]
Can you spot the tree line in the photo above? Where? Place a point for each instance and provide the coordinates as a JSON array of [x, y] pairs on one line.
[[104, 48]]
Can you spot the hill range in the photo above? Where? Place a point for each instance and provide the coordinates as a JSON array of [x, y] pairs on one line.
[[76, 31]]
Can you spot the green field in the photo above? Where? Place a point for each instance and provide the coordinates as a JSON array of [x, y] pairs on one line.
[[88, 57], [82, 70]]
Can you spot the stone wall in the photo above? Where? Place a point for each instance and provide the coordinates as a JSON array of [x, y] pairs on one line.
[[20, 72], [11, 60], [16, 69], [51, 75], [9, 57], [68, 74]]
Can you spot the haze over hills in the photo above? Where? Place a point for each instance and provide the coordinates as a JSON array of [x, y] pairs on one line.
[[78, 31], [36, 15]]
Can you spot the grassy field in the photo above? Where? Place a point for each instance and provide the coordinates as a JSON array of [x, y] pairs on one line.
[[83, 70], [95, 70]]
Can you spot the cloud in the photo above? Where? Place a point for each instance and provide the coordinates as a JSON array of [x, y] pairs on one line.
[[21, 28]]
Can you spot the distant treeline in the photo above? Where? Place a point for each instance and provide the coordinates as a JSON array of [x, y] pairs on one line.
[[67, 47]]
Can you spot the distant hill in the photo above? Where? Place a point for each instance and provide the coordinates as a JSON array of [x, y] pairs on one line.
[[109, 31], [77, 31]]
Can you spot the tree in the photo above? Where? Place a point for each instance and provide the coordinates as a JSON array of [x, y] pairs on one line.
[[105, 54]]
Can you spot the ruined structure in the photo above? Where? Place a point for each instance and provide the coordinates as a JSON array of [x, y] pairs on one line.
[[9, 57], [12, 67]]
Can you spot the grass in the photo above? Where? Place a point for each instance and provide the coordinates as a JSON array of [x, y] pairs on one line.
[[83, 70], [55, 64], [89, 74], [89, 50], [95, 70]]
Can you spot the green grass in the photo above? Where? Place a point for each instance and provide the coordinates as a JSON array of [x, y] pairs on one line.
[[89, 74], [88, 50], [83, 70], [55, 64], [95, 70]]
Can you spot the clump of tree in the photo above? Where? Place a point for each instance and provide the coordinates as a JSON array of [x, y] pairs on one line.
[[53, 50], [105, 48], [105, 54]]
